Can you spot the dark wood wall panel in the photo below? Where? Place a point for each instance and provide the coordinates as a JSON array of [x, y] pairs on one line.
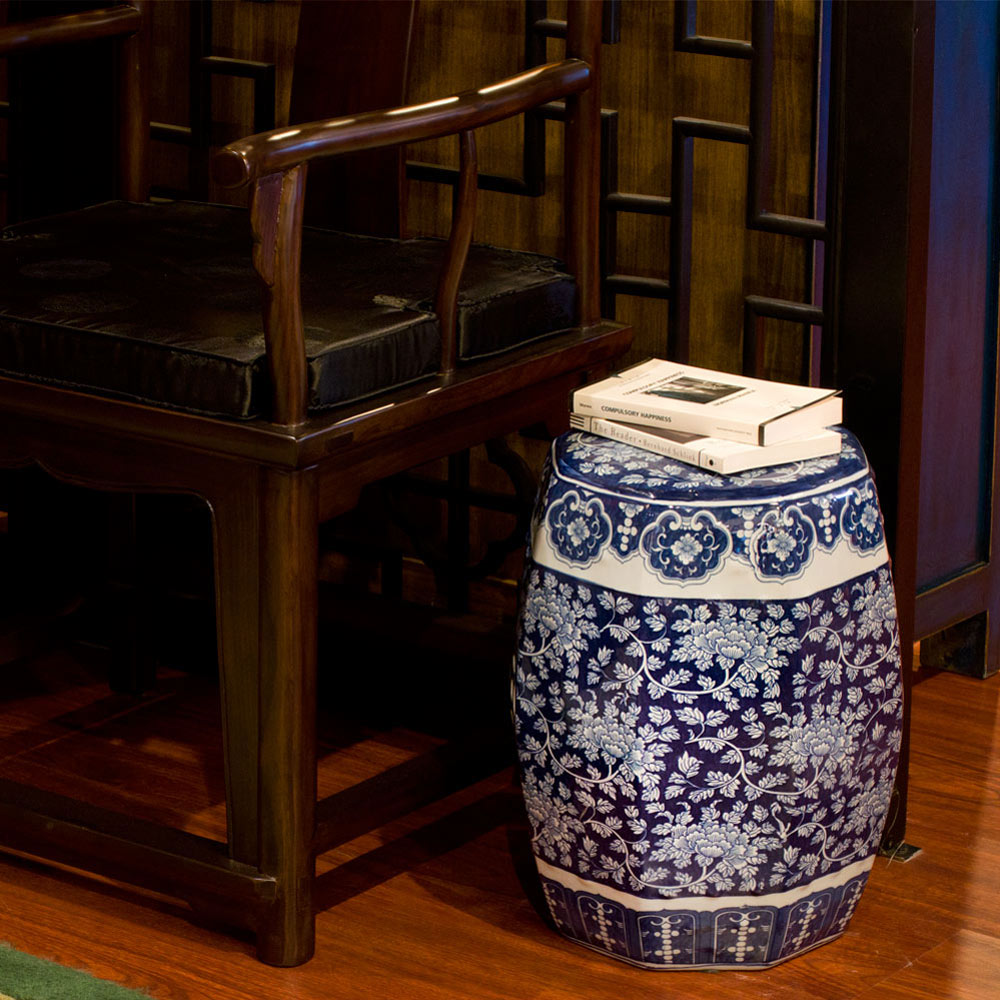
[[781, 267], [647, 83], [637, 83], [955, 486], [458, 46], [71, 86], [718, 252], [182, 33], [170, 92], [792, 162]]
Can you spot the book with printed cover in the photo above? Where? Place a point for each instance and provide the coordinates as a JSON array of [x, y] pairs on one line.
[[713, 454], [692, 400]]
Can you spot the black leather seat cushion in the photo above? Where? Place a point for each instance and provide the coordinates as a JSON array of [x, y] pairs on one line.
[[159, 303]]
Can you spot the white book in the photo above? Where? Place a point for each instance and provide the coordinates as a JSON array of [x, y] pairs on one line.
[[714, 454], [700, 401]]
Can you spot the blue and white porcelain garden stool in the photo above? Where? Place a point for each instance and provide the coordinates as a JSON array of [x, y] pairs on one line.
[[708, 702]]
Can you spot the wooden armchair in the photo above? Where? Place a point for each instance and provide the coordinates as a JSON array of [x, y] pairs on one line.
[[133, 358]]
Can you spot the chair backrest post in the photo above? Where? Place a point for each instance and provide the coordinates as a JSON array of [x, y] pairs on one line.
[[276, 222], [463, 220], [133, 111], [583, 160]]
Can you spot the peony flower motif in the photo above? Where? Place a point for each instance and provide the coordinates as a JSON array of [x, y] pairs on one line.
[[578, 531], [783, 542], [686, 548], [600, 734], [560, 617], [730, 641], [679, 548], [870, 806], [644, 759], [781, 545], [553, 820], [820, 741], [579, 528], [553, 612], [861, 520], [875, 606], [612, 738], [869, 518], [712, 844]]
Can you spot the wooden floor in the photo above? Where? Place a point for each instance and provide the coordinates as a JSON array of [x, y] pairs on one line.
[[443, 905]]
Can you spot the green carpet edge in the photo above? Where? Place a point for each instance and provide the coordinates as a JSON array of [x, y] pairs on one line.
[[25, 977]]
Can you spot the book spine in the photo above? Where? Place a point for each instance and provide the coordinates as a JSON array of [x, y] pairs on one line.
[[591, 404], [629, 435]]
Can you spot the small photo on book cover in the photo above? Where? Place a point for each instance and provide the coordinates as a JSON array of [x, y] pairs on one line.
[[693, 390]]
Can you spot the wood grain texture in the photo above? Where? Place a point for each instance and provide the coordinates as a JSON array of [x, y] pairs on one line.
[[965, 967], [440, 903], [331, 77], [456, 46], [265, 32], [286, 763], [276, 220], [463, 221]]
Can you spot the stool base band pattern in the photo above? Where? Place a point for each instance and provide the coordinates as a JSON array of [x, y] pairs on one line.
[[703, 933]]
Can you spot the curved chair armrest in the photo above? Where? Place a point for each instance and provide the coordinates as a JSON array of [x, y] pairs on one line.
[[275, 163], [108, 22], [282, 149]]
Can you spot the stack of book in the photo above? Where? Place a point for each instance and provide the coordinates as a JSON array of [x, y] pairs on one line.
[[720, 422]]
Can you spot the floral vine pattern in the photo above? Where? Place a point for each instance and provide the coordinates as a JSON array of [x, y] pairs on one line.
[[707, 748]]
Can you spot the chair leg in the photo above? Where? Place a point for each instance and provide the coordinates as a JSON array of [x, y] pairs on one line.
[[287, 759], [236, 519], [267, 560]]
